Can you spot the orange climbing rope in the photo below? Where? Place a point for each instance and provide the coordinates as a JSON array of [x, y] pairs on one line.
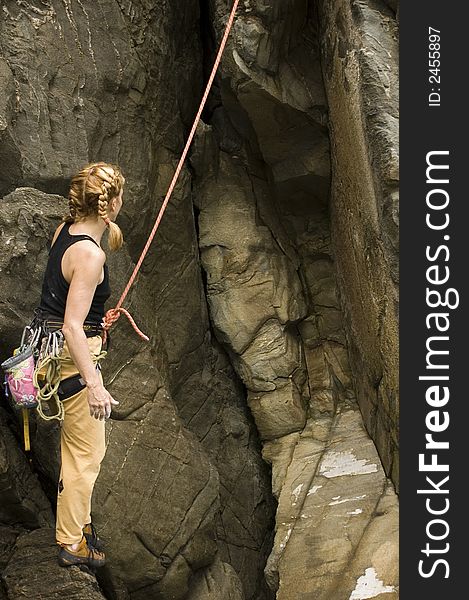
[[113, 314]]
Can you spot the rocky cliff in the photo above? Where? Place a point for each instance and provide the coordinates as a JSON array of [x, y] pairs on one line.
[[250, 454]]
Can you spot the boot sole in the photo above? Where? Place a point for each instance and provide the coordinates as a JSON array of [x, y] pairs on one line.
[[78, 561]]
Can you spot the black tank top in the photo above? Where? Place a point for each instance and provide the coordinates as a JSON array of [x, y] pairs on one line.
[[55, 286]]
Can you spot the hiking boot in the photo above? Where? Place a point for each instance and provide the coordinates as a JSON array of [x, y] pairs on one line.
[[83, 555], [92, 538]]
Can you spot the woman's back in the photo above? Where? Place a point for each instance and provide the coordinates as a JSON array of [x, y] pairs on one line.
[[55, 287]]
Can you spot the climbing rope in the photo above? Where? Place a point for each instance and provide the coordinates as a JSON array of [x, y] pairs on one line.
[[48, 371], [113, 314], [49, 365]]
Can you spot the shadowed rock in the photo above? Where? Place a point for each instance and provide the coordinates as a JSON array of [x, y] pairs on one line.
[[218, 582], [145, 432], [22, 500], [8, 537]]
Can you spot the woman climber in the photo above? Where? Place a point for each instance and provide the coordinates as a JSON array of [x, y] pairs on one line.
[[75, 288]]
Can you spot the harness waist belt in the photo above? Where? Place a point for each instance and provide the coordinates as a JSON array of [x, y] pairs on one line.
[[90, 329]]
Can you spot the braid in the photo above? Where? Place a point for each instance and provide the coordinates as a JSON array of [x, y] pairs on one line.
[[85, 181], [72, 207], [91, 191], [103, 201]]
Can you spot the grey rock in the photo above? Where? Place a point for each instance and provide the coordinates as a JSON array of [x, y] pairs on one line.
[[153, 467], [33, 571], [8, 537], [22, 500]]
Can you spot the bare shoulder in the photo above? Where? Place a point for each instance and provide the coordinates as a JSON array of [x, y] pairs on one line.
[[85, 259], [85, 252]]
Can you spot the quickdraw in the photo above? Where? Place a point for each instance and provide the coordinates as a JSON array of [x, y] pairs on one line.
[[49, 365]]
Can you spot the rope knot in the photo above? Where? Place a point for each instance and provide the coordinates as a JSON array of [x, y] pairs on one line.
[[111, 317], [113, 314]]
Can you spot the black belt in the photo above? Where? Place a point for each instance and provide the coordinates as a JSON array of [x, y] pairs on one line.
[[49, 324], [89, 327], [71, 386]]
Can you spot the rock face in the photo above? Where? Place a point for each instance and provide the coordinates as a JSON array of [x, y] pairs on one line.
[[33, 563], [337, 515], [360, 73], [272, 257], [268, 294], [22, 499]]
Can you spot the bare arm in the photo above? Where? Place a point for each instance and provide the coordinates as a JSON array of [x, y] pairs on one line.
[[87, 263]]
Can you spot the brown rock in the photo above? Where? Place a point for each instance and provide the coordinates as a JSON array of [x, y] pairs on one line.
[[217, 582], [337, 517], [360, 74]]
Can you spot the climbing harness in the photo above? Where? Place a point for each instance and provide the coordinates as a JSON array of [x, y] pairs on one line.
[[47, 375], [113, 314], [33, 373]]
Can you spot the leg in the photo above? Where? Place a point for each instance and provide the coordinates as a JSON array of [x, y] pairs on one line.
[[82, 450]]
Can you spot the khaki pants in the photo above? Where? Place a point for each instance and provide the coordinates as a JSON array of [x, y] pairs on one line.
[[82, 445]]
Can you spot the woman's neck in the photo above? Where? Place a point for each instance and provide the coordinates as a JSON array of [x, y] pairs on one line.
[[94, 227]]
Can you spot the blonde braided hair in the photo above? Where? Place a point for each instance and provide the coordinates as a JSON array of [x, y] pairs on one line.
[[91, 190]]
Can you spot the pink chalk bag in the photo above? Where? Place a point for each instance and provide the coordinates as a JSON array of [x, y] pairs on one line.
[[19, 372]]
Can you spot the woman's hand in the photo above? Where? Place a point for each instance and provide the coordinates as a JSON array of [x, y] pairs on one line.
[[100, 401]]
